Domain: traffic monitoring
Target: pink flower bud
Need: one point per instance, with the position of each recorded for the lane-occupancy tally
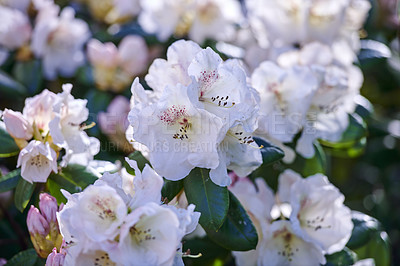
(36, 223)
(48, 207)
(17, 125)
(55, 259)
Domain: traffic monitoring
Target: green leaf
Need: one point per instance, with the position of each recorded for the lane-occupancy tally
(237, 232)
(171, 188)
(27, 258)
(140, 160)
(9, 87)
(29, 74)
(270, 152)
(23, 194)
(84, 75)
(8, 146)
(10, 180)
(74, 178)
(342, 258)
(211, 252)
(364, 229)
(211, 200)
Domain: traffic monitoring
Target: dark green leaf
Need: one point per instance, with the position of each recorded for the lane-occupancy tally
(342, 258)
(23, 194)
(26, 258)
(9, 87)
(237, 232)
(270, 153)
(8, 146)
(74, 178)
(171, 188)
(29, 74)
(211, 252)
(10, 180)
(211, 200)
(364, 229)
(311, 166)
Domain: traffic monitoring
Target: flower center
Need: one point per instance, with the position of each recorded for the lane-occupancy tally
(139, 235)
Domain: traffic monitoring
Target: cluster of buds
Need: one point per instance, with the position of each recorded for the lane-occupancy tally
(43, 227)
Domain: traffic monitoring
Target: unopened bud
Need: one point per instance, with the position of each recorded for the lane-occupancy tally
(55, 259)
(48, 207)
(17, 125)
(36, 223)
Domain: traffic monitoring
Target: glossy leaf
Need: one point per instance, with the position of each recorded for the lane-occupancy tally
(270, 152)
(212, 253)
(10, 180)
(23, 194)
(8, 146)
(237, 232)
(29, 74)
(74, 178)
(364, 229)
(9, 87)
(310, 166)
(341, 258)
(26, 258)
(210, 199)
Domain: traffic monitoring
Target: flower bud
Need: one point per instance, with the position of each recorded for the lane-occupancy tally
(36, 223)
(48, 207)
(55, 259)
(17, 125)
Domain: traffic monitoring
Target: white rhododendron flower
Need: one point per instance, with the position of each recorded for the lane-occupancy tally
(318, 213)
(17, 125)
(59, 40)
(151, 230)
(65, 128)
(37, 161)
(217, 90)
(96, 214)
(281, 246)
(303, 21)
(304, 221)
(120, 217)
(21, 5)
(38, 110)
(53, 121)
(13, 21)
(115, 67)
(199, 20)
(286, 96)
(179, 135)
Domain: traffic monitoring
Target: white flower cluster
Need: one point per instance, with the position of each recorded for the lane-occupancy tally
(57, 39)
(200, 113)
(304, 221)
(119, 220)
(302, 65)
(198, 19)
(48, 123)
